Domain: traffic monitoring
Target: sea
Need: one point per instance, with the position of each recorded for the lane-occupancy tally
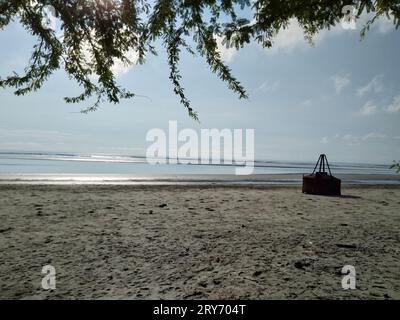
(47, 166)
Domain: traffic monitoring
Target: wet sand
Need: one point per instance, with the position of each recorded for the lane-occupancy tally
(188, 242)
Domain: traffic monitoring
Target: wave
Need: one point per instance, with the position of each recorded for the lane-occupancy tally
(25, 162)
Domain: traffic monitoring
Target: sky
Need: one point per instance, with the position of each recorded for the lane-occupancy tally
(340, 97)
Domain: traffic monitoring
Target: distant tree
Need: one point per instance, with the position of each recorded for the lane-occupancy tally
(98, 32)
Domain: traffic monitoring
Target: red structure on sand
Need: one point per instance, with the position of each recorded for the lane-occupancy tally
(322, 183)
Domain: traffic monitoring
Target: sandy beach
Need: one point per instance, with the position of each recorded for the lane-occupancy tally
(191, 242)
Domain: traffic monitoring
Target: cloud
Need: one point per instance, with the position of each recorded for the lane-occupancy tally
(325, 140)
(341, 82)
(368, 109)
(374, 135)
(292, 37)
(374, 86)
(350, 140)
(269, 86)
(385, 25)
(355, 140)
(227, 54)
(394, 106)
(119, 68)
(47, 135)
(40, 139)
(306, 103)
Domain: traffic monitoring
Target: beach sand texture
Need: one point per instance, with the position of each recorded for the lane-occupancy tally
(181, 242)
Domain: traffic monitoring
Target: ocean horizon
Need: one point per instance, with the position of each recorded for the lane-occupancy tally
(61, 167)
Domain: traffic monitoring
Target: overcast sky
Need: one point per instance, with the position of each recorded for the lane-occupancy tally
(340, 97)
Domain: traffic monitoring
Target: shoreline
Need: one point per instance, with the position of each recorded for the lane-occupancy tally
(195, 180)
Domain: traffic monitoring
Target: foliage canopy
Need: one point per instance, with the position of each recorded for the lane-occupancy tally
(97, 33)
